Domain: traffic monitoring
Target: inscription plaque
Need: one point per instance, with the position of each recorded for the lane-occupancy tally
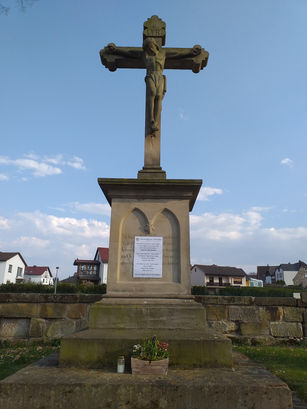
(147, 262)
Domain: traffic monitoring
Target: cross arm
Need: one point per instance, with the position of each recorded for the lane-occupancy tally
(113, 57)
(194, 59)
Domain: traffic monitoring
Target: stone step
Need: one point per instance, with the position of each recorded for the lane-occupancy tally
(44, 385)
(100, 348)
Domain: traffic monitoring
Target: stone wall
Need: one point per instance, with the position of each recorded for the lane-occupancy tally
(47, 316)
(263, 319)
(43, 316)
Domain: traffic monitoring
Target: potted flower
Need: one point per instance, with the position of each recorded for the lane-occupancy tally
(150, 357)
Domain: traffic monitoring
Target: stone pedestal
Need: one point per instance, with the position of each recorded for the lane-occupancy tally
(150, 206)
(138, 308)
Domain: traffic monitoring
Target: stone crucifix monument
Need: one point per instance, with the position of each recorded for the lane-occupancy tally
(148, 287)
(154, 59)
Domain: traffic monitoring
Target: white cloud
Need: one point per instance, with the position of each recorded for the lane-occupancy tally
(287, 162)
(91, 207)
(182, 115)
(37, 168)
(42, 166)
(66, 226)
(4, 223)
(206, 192)
(3, 177)
(45, 239)
(30, 242)
(77, 163)
(242, 240)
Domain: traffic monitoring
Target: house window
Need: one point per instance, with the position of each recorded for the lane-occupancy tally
(211, 280)
(19, 272)
(10, 268)
(237, 280)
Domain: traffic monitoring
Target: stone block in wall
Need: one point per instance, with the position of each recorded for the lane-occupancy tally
(304, 298)
(81, 324)
(293, 314)
(52, 310)
(273, 313)
(255, 328)
(224, 327)
(278, 301)
(77, 311)
(14, 328)
(216, 312)
(305, 329)
(305, 316)
(286, 329)
(60, 328)
(37, 328)
(236, 300)
(19, 310)
(244, 314)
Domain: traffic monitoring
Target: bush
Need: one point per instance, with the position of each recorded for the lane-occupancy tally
(62, 288)
(246, 291)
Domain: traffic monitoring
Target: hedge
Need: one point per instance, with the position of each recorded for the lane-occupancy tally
(247, 291)
(62, 288)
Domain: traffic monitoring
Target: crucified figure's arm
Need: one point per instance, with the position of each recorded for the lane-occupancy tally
(123, 51)
(177, 53)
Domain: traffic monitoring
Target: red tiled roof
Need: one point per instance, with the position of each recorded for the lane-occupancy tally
(36, 270)
(103, 254)
(4, 256)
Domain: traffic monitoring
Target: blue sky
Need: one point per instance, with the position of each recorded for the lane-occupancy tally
(240, 125)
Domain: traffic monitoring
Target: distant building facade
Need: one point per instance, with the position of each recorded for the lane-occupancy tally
(102, 255)
(266, 274)
(217, 276)
(39, 275)
(289, 272)
(12, 267)
(93, 271)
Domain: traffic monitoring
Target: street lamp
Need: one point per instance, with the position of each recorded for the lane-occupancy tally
(56, 278)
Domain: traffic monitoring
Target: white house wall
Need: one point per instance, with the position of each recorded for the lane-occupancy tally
(2, 270)
(104, 268)
(197, 276)
(289, 276)
(16, 262)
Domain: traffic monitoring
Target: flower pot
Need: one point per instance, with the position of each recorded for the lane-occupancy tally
(140, 367)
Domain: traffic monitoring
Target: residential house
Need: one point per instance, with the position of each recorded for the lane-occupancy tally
(289, 272)
(87, 271)
(93, 271)
(301, 276)
(12, 267)
(252, 281)
(266, 274)
(38, 275)
(71, 279)
(102, 255)
(217, 276)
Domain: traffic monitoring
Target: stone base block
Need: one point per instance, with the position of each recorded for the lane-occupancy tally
(100, 348)
(45, 386)
(147, 313)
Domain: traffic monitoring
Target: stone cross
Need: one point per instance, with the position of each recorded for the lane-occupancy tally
(154, 59)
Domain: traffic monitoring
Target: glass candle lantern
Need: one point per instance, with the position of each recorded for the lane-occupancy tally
(121, 364)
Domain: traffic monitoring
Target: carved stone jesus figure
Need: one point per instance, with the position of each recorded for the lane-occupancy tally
(154, 60)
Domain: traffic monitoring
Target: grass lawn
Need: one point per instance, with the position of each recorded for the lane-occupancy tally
(15, 356)
(289, 363)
